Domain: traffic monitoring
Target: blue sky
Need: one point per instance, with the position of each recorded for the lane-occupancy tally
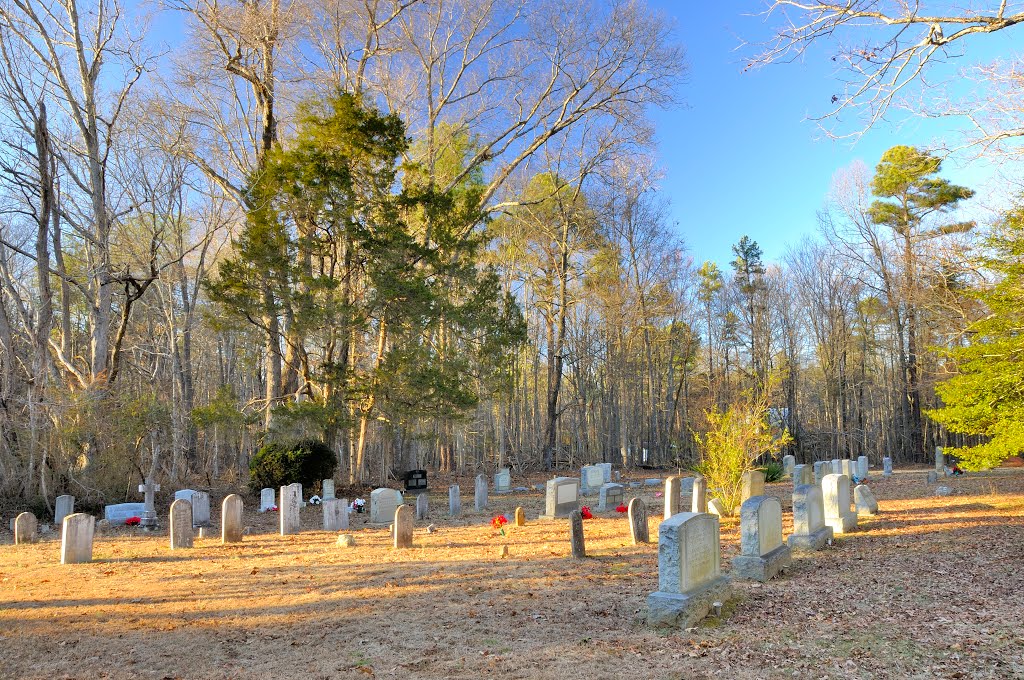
(742, 158)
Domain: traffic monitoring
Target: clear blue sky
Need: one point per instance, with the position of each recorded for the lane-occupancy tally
(742, 158)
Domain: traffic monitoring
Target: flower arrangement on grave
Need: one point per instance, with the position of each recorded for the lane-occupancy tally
(499, 523)
(272, 508)
(133, 521)
(358, 504)
(585, 512)
(621, 508)
(658, 494)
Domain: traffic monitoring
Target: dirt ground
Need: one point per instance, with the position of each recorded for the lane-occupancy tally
(931, 588)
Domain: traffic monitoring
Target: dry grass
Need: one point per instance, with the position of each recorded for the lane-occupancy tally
(929, 589)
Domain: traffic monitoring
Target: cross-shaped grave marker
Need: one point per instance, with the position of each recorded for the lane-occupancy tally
(149, 514)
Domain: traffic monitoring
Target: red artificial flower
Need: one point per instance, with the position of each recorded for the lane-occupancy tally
(499, 521)
(621, 508)
(132, 521)
(585, 511)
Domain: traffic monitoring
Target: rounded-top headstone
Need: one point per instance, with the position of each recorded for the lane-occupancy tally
(26, 528)
(181, 524)
(231, 519)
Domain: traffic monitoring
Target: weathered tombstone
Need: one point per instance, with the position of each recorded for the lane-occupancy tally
(788, 463)
(753, 484)
(231, 528)
(865, 500)
(76, 538)
(809, 530)
(64, 506)
(933, 477)
(837, 466)
(503, 481)
(578, 547)
(181, 524)
(836, 491)
(382, 505)
(148, 518)
(403, 527)
(887, 467)
(638, 528)
(940, 461)
(716, 507)
(561, 496)
(200, 509)
(802, 474)
(700, 495)
(762, 551)
(846, 465)
(591, 479)
(480, 494)
(335, 514)
(606, 468)
(689, 573)
(289, 508)
(267, 500)
(416, 481)
(26, 528)
(610, 497)
(862, 467)
(454, 502)
(422, 506)
(117, 514)
(821, 468)
(327, 490)
(672, 487)
(520, 518)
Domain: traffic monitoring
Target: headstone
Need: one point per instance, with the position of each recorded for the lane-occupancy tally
(837, 466)
(520, 518)
(231, 528)
(700, 495)
(148, 517)
(865, 500)
(716, 507)
(610, 497)
(943, 491)
(403, 527)
(887, 467)
(184, 494)
(762, 552)
(562, 496)
(862, 467)
(606, 468)
(335, 514)
(638, 528)
(200, 509)
(267, 500)
(503, 481)
(422, 506)
(836, 492)
(821, 468)
(591, 479)
(26, 528)
(64, 506)
(289, 507)
(788, 463)
(383, 503)
(802, 474)
(117, 514)
(752, 484)
(672, 487)
(933, 477)
(846, 465)
(577, 546)
(181, 524)
(76, 538)
(327, 490)
(940, 460)
(454, 502)
(809, 530)
(480, 494)
(652, 482)
(416, 481)
(689, 572)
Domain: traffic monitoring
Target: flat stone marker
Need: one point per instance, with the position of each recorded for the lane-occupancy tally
(422, 506)
(591, 479)
(335, 514)
(699, 502)
(383, 503)
(940, 461)
(403, 527)
(520, 518)
(638, 528)
(181, 524)
(327, 490)
(689, 572)
(672, 490)
(836, 491)
(802, 474)
(576, 543)
(865, 500)
(267, 500)
(862, 467)
(117, 514)
(809, 530)
(887, 467)
(561, 497)
(26, 528)
(752, 484)
(480, 493)
(231, 519)
(289, 508)
(788, 463)
(652, 482)
(762, 552)
(610, 497)
(64, 506)
(76, 538)
(454, 502)
(503, 481)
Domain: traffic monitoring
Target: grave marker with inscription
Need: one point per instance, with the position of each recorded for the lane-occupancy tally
(762, 552)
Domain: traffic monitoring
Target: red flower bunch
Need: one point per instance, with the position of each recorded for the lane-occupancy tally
(621, 508)
(499, 521)
(585, 511)
(133, 522)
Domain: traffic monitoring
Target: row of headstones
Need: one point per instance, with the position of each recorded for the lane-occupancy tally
(848, 467)
(690, 580)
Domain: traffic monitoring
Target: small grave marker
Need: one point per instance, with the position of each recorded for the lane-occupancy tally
(181, 524)
(403, 527)
(76, 538)
(231, 519)
(578, 548)
(638, 528)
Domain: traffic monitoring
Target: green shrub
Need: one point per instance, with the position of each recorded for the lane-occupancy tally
(773, 471)
(279, 463)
